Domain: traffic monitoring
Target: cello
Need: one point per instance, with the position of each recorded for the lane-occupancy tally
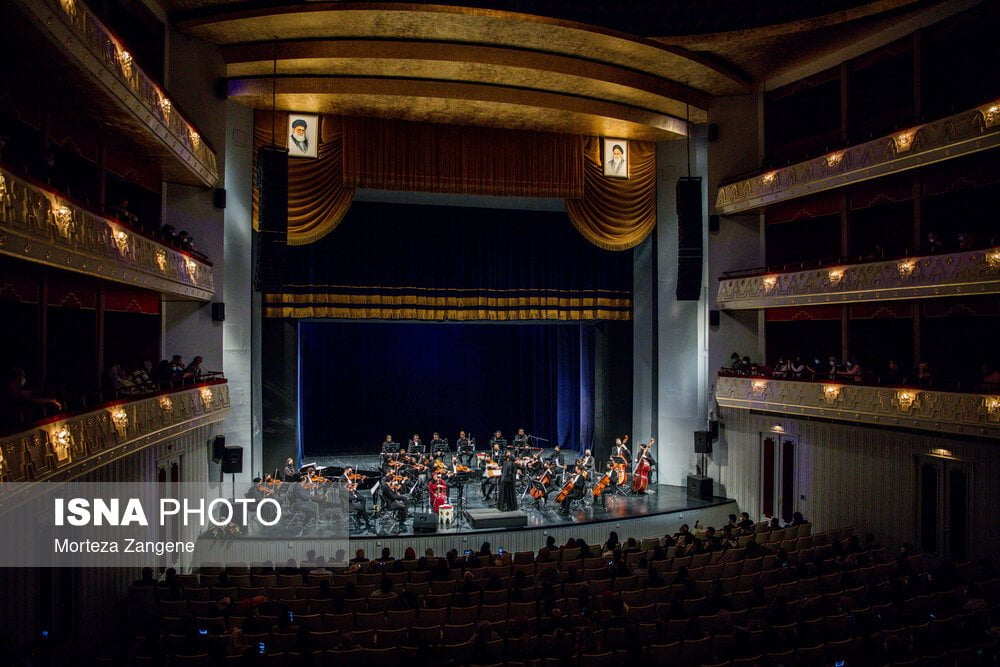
(569, 487)
(544, 479)
(601, 485)
(640, 478)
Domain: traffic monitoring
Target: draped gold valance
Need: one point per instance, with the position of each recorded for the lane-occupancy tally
(616, 213)
(317, 197)
(611, 213)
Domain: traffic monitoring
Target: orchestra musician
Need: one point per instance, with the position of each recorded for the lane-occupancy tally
(301, 500)
(506, 498)
(521, 439)
(497, 439)
(608, 485)
(357, 506)
(558, 464)
(622, 450)
(415, 441)
(392, 499)
(578, 481)
(463, 443)
(587, 463)
(289, 472)
(439, 493)
(387, 445)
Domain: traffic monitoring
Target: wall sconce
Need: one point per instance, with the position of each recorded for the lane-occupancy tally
(161, 259)
(991, 114)
(166, 404)
(120, 419)
(68, 6)
(831, 392)
(777, 428)
(195, 138)
(835, 276)
(946, 453)
(120, 238)
(992, 405)
(63, 217)
(770, 282)
(905, 399)
(206, 397)
(125, 60)
(906, 267)
(904, 141)
(993, 258)
(834, 159)
(61, 441)
(192, 268)
(165, 105)
(769, 177)
(758, 386)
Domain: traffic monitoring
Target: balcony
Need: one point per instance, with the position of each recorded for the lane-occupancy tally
(67, 446)
(113, 89)
(900, 407)
(965, 273)
(960, 134)
(39, 225)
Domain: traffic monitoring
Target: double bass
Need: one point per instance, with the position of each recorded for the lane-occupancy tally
(640, 478)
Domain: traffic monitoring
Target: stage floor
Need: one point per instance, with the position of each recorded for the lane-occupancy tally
(659, 500)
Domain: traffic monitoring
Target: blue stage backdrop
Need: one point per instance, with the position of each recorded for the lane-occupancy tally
(359, 381)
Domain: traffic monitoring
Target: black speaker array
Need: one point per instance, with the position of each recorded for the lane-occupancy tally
(690, 247)
(232, 460)
(272, 237)
(218, 448)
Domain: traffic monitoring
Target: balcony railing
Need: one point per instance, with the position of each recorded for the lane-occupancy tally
(972, 272)
(43, 226)
(66, 446)
(899, 407)
(963, 133)
(96, 50)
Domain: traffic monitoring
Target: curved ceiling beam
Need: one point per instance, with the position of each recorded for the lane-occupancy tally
(457, 103)
(435, 61)
(455, 25)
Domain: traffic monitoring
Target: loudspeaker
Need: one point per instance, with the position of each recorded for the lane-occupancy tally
(713, 132)
(713, 317)
(699, 487)
(232, 460)
(493, 518)
(272, 217)
(713, 429)
(218, 448)
(713, 223)
(219, 311)
(702, 442)
(690, 245)
(425, 522)
(219, 198)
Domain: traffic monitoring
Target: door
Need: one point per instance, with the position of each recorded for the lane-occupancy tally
(944, 492)
(778, 475)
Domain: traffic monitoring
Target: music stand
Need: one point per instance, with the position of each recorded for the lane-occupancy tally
(390, 448)
(460, 481)
(418, 449)
(440, 448)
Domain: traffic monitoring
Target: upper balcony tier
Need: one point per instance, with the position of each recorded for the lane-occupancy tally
(899, 407)
(69, 445)
(969, 131)
(972, 272)
(111, 88)
(39, 225)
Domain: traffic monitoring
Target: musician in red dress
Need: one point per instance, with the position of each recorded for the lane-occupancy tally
(439, 493)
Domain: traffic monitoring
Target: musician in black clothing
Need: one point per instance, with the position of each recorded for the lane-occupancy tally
(558, 464)
(587, 462)
(387, 445)
(415, 441)
(521, 439)
(357, 506)
(289, 472)
(622, 450)
(465, 457)
(393, 500)
(301, 499)
(579, 482)
(612, 486)
(506, 498)
(498, 439)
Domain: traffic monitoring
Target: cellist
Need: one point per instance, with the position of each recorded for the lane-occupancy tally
(573, 490)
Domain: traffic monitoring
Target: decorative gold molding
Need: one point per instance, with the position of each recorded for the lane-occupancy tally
(71, 26)
(974, 272)
(938, 411)
(40, 226)
(65, 449)
(966, 132)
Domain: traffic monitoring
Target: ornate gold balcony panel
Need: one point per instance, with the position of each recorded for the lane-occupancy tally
(40, 226)
(974, 272)
(64, 449)
(461, 65)
(128, 97)
(938, 411)
(963, 133)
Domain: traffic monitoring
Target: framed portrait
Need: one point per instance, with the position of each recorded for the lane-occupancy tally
(303, 135)
(615, 158)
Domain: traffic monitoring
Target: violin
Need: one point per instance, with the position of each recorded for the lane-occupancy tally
(356, 477)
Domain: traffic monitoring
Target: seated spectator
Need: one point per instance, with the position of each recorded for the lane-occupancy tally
(892, 374)
(119, 380)
(833, 367)
(796, 367)
(746, 524)
(734, 362)
(177, 367)
(782, 369)
(143, 377)
(163, 373)
(817, 367)
(851, 371)
(194, 368)
(359, 556)
(924, 374)
(935, 244)
(16, 398)
(384, 590)
(966, 241)
(797, 519)
(147, 578)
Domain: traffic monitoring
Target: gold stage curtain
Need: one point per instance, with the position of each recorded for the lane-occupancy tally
(429, 157)
(616, 213)
(317, 197)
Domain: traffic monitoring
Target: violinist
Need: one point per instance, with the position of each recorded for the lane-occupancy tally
(573, 490)
(266, 486)
(392, 499)
(289, 472)
(301, 500)
(357, 506)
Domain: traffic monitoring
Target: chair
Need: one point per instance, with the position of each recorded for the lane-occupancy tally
(661, 654)
(391, 637)
(377, 657)
(455, 634)
(401, 619)
(597, 659)
(433, 616)
(697, 650)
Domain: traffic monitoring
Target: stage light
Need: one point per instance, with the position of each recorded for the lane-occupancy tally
(125, 60)
(938, 451)
(195, 138)
(992, 404)
(165, 104)
(68, 6)
(192, 268)
(777, 428)
(991, 114)
(120, 239)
